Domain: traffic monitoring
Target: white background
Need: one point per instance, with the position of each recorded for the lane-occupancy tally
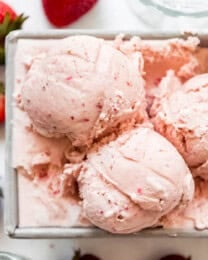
(108, 14)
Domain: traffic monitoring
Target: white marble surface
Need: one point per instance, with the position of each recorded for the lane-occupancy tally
(108, 14)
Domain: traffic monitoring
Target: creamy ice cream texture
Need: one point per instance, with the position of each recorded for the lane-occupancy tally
(49, 190)
(128, 184)
(181, 115)
(46, 198)
(82, 90)
(195, 215)
(184, 57)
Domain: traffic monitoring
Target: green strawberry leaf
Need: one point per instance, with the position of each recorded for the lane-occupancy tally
(2, 55)
(6, 27)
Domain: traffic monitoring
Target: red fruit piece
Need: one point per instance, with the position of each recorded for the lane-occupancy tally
(4, 9)
(63, 12)
(157, 81)
(139, 190)
(175, 257)
(2, 109)
(2, 103)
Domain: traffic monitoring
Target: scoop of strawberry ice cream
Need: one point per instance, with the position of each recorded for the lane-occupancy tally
(82, 90)
(130, 183)
(181, 116)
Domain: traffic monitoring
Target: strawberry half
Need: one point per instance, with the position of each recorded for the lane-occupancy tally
(63, 12)
(2, 103)
(9, 21)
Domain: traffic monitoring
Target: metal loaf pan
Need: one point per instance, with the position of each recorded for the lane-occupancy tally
(11, 189)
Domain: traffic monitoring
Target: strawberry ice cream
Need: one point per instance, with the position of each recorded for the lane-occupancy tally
(195, 215)
(128, 184)
(45, 197)
(181, 116)
(38, 206)
(83, 90)
(184, 57)
(84, 147)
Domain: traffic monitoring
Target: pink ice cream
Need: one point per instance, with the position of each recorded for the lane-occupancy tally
(130, 183)
(184, 57)
(195, 215)
(46, 197)
(38, 154)
(181, 116)
(38, 207)
(82, 90)
(132, 178)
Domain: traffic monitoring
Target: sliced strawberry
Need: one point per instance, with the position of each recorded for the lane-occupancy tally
(63, 12)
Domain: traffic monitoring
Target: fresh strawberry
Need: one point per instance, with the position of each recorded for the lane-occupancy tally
(175, 257)
(78, 256)
(63, 12)
(9, 21)
(4, 9)
(2, 103)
